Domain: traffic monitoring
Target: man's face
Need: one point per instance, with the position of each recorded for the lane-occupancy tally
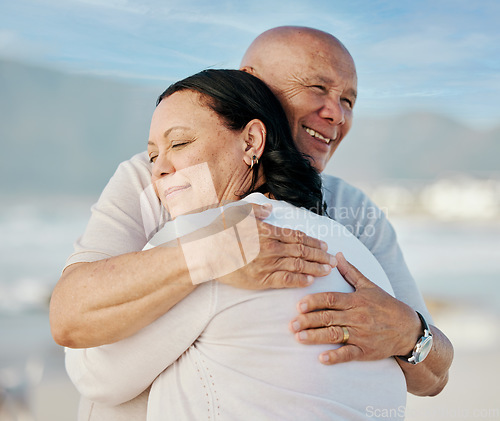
(316, 83)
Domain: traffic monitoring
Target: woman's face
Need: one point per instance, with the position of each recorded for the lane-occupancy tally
(197, 161)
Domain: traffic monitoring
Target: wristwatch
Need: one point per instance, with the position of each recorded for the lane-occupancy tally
(423, 346)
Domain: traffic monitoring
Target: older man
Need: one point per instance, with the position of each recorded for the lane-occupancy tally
(315, 79)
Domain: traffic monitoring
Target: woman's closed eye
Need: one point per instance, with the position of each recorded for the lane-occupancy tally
(179, 144)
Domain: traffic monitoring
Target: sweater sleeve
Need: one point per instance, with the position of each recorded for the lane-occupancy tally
(116, 373)
(124, 216)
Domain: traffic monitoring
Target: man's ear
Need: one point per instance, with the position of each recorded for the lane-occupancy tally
(254, 135)
(249, 69)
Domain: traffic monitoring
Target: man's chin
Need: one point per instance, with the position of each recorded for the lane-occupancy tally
(319, 163)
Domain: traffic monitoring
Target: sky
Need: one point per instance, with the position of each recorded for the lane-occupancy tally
(433, 55)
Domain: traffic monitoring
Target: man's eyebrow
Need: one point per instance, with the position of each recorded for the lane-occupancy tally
(320, 79)
(327, 81)
(352, 92)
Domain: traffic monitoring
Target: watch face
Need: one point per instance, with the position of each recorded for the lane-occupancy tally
(425, 348)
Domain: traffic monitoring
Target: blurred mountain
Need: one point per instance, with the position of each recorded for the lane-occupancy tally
(419, 146)
(66, 133)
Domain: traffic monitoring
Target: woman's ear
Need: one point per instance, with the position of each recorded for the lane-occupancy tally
(254, 135)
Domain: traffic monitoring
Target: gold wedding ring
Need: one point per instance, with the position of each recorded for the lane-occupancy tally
(346, 334)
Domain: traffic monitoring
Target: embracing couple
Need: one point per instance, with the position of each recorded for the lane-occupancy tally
(193, 295)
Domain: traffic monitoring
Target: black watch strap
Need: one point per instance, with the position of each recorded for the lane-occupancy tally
(412, 357)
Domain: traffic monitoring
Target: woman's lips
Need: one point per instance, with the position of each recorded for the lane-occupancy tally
(174, 191)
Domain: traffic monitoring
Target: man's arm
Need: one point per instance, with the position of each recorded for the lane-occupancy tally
(379, 326)
(108, 300)
(430, 376)
(387, 323)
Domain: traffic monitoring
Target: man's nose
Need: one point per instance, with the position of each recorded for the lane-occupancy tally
(162, 166)
(333, 110)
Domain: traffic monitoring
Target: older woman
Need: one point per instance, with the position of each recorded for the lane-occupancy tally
(219, 141)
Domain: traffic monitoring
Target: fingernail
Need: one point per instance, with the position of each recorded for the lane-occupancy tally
(303, 307)
(327, 267)
(324, 246)
(333, 261)
(296, 326)
(310, 279)
(325, 358)
(303, 335)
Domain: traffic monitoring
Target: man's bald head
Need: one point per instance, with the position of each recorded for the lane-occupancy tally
(269, 45)
(314, 76)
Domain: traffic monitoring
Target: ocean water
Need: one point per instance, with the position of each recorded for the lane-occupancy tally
(36, 237)
(453, 260)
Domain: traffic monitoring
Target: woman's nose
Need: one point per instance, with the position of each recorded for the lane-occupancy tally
(162, 166)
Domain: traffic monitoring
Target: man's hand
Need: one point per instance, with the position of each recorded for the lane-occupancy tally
(379, 325)
(286, 258)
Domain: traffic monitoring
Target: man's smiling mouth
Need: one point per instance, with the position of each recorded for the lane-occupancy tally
(317, 135)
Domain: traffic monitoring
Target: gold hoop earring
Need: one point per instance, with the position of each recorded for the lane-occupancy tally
(255, 161)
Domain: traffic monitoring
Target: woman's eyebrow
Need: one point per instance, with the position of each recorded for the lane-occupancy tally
(167, 132)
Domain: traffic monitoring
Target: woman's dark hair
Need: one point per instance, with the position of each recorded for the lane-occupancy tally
(238, 97)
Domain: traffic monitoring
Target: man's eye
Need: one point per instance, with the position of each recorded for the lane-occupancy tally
(179, 144)
(348, 102)
(152, 158)
(319, 87)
